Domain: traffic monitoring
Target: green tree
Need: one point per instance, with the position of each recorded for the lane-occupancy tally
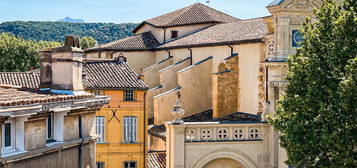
(87, 42)
(17, 54)
(317, 115)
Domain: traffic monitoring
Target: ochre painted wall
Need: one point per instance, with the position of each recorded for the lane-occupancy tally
(114, 151)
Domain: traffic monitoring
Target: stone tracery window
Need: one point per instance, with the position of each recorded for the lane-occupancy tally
(222, 134)
(206, 134)
(253, 133)
(238, 133)
(190, 134)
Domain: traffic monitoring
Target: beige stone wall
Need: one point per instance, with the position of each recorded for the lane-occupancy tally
(177, 54)
(162, 106)
(225, 88)
(151, 74)
(249, 60)
(71, 128)
(138, 60)
(196, 92)
(168, 75)
(196, 86)
(150, 100)
(88, 124)
(160, 32)
(35, 134)
(250, 153)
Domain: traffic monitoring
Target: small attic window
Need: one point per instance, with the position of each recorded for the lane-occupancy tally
(174, 34)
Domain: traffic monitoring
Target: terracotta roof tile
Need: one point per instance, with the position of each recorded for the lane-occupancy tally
(156, 159)
(23, 79)
(100, 74)
(143, 41)
(193, 14)
(227, 33)
(16, 97)
(111, 75)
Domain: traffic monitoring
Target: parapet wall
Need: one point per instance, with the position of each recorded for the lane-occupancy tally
(151, 74)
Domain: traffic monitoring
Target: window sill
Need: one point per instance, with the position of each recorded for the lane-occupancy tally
(131, 143)
(13, 152)
(53, 143)
(103, 143)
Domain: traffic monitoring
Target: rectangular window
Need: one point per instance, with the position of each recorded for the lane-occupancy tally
(129, 95)
(7, 134)
(100, 128)
(130, 128)
(174, 34)
(98, 92)
(100, 164)
(130, 164)
(49, 127)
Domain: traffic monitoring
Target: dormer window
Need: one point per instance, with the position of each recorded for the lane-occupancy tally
(174, 34)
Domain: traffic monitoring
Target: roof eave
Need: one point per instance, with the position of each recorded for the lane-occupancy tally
(257, 40)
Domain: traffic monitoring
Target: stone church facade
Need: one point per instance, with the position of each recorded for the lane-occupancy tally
(229, 74)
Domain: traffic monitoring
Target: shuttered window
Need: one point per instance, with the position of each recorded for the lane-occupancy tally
(130, 129)
(100, 128)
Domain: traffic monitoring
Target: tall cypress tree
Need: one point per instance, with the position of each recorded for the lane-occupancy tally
(317, 115)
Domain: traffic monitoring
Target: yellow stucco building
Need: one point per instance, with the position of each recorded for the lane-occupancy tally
(121, 124)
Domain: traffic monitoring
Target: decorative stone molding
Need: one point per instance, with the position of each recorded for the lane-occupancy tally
(301, 4)
(261, 89)
(284, 21)
(278, 84)
(220, 133)
(237, 156)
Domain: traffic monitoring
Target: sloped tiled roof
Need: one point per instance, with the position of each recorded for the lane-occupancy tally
(228, 33)
(193, 14)
(16, 97)
(207, 116)
(111, 75)
(156, 160)
(275, 3)
(23, 79)
(143, 41)
(100, 74)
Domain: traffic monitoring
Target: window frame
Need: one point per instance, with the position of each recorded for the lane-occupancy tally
(174, 33)
(130, 92)
(51, 139)
(102, 164)
(10, 148)
(133, 161)
(129, 128)
(100, 140)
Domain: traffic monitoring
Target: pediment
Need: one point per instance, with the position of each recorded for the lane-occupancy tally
(300, 4)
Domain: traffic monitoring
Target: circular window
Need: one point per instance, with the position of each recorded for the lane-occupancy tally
(253, 133)
(222, 133)
(238, 133)
(190, 134)
(206, 134)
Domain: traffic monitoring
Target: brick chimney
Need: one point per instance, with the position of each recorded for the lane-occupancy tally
(61, 67)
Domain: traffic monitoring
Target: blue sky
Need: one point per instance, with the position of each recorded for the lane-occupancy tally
(117, 11)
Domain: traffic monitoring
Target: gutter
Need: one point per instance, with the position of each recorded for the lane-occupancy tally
(190, 49)
(230, 46)
(145, 129)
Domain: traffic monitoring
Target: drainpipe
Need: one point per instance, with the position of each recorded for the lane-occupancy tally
(169, 53)
(230, 46)
(81, 138)
(165, 35)
(190, 49)
(266, 85)
(145, 129)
